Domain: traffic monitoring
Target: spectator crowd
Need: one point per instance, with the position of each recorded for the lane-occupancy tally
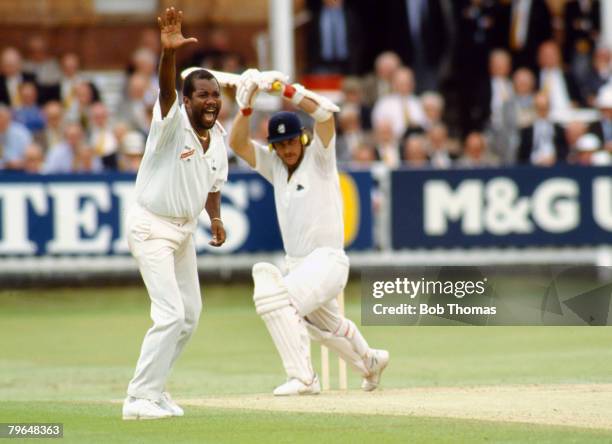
(466, 84)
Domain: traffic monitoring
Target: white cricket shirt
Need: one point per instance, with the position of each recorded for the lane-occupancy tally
(175, 175)
(309, 205)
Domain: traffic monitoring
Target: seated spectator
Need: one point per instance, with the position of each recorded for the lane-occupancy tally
(476, 153)
(489, 102)
(600, 72)
(387, 149)
(523, 82)
(132, 109)
(378, 84)
(14, 138)
(101, 137)
(54, 125)
(364, 155)
(40, 63)
(353, 95)
(433, 108)
(543, 143)
(86, 95)
(415, 152)
(350, 133)
(132, 150)
(144, 62)
(573, 132)
(553, 79)
(120, 130)
(33, 159)
(603, 127)
(11, 76)
(65, 91)
(439, 146)
(402, 108)
(29, 113)
(588, 152)
(71, 154)
(86, 161)
(501, 126)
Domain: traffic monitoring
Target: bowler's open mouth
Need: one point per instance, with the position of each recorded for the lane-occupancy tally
(210, 114)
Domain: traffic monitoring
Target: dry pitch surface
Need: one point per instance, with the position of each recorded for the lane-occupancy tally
(578, 405)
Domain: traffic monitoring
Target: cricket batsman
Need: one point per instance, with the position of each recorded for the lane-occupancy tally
(308, 202)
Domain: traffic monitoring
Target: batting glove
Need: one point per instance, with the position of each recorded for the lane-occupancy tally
(247, 91)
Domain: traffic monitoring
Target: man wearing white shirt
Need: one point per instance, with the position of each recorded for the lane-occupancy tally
(182, 172)
(101, 137)
(64, 157)
(309, 210)
(560, 86)
(402, 108)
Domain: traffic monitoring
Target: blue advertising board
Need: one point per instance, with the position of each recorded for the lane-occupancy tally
(512, 207)
(85, 214)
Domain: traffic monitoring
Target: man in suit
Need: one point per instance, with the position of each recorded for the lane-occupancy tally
(11, 76)
(420, 32)
(522, 26)
(487, 100)
(582, 28)
(475, 24)
(543, 143)
(378, 83)
(552, 78)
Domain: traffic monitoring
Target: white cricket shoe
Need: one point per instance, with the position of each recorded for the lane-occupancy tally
(138, 408)
(296, 387)
(167, 403)
(375, 361)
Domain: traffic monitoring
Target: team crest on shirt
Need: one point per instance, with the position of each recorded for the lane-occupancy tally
(281, 128)
(187, 152)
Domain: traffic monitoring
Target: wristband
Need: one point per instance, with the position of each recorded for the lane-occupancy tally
(293, 94)
(246, 111)
(212, 219)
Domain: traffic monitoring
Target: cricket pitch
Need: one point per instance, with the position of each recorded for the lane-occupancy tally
(577, 405)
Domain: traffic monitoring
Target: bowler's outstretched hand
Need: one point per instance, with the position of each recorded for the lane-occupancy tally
(170, 27)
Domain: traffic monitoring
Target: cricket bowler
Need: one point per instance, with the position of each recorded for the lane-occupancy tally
(182, 172)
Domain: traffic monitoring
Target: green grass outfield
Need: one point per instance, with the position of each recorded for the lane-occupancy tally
(65, 353)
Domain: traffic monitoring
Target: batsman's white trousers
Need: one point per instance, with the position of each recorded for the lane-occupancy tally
(314, 282)
(166, 256)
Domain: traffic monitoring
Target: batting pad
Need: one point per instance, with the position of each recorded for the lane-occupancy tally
(286, 328)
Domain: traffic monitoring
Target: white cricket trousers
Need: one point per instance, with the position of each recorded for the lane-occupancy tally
(315, 281)
(166, 256)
